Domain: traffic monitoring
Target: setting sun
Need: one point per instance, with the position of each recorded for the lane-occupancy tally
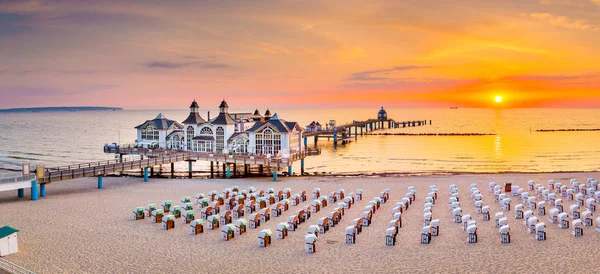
(498, 99)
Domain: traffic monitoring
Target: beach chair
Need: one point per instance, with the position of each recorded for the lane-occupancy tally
(497, 217)
(587, 219)
(457, 212)
(359, 194)
(241, 226)
(390, 236)
(138, 213)
(485, 213)
(316, 193)
(426, 235)
(166, 205)
(435, 227)
(472, 234)
(541, 208)
(313, 229)
(464, 219)
(351, 234)
(577, 228)
(427, 217)
(590, 204)
(149, 209)
(531, 222)
(540, 231)
(157, 215)
(310, 241)
(505, 234)
(574, 210)
(563, 222)
(506, 204)
(519, 211)
(282, 230)
(491, 187)
(264, 237)
(197, 226)
(227, 232)
(168, 222)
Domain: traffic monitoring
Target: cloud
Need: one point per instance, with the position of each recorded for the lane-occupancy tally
(561, 21)
(177, 65)
(273, 49)
(553, 78)
(371, 75)
(307, 27)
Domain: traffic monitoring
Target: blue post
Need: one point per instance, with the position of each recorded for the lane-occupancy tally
(290, 170)
(34, 191)
(120, 158)
(305, 142)
(275, 175)
(302, 166)
(100, 182)
(43, 190)
(145, 174)
(335, 137)
(228, 172)
(21, 192)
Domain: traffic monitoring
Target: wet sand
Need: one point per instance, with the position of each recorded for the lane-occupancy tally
(78, 228)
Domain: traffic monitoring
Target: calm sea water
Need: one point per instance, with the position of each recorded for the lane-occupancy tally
(55, 139)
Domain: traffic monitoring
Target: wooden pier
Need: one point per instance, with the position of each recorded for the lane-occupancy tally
(360, 128)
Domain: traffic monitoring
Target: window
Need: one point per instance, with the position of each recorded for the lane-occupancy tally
(190, 136)
(206, 131)
(175, 143)
(220, 139)
(268, 142)
(150, 133)
(240, 145)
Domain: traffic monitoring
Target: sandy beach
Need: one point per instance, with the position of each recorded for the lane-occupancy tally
(78, 228)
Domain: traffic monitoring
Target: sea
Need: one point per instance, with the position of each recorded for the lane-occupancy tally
(452, 141)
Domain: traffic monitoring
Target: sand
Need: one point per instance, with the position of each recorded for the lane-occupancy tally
(80, 229)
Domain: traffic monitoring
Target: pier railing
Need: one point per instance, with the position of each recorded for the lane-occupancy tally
(155, 157)
(16, 178)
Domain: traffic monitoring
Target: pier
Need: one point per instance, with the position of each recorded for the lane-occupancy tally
(352, 130)
(221, 165)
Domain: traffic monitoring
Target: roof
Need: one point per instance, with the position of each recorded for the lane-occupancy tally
(194, 104)
(257, 113)
(160, 122)
(382, 111)
(204, 138)
(240, 115)
(175, 132)
(223, 104)
(223, 119)
(239, 134)
(194, 118)
(6, 231)
(268, 113)
(278, 124)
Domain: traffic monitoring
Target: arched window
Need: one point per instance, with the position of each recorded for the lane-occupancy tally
(190, 136)
(176, 143)
(150, 133)
(268, 142)
(206, 131)
(220, 139)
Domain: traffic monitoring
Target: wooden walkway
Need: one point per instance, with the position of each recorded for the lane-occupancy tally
(156, 157)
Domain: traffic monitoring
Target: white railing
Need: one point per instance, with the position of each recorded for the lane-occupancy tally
(13, 268)
(17, 178)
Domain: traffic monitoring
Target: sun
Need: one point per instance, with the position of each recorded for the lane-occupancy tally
(498, 99)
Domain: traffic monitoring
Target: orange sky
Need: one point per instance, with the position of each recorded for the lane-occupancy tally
(288, 54)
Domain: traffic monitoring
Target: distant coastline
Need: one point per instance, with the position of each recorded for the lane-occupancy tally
(60, 109)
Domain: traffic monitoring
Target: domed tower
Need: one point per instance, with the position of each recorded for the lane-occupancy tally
(382, 115)
(194, 117)
(267, 115)
(223, 108)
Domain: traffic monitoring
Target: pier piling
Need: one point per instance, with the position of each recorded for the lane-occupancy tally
(43, 190)
(172, 170)
(190, 169)
(212, 169)
(146, 174)
(99, 183)
(34, 191)
(227, 172)
(290, 170)
(302, 167)
(21, 192)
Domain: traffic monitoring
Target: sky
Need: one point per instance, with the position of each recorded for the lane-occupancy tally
(293, 54)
